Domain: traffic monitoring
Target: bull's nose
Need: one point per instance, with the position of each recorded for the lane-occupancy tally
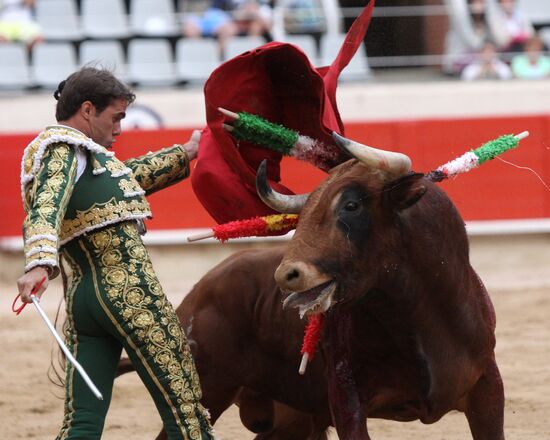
(297, 276)
(289, 275)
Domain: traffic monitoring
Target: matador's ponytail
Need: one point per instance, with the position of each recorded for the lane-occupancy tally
(59, 90)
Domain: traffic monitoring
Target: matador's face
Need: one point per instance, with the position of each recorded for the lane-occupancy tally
(105, 126)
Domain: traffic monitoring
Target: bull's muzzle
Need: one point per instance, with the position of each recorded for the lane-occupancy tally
(310, 291)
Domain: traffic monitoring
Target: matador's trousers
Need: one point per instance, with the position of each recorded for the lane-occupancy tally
(114, 301)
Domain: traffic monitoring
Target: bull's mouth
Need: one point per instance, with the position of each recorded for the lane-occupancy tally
(313, 301)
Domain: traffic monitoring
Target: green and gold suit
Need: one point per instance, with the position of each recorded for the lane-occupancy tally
(85, 209)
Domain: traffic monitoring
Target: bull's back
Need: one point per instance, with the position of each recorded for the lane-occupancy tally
(239, 297)
(234, 283)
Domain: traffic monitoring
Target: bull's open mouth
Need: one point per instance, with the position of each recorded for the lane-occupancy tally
(312, 301)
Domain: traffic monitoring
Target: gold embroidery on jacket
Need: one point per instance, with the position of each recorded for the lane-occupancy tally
(160, 169)
(102, 214)
(130, 187)
(39, 228)
(52, 135)
(46, 201)
(116, 167)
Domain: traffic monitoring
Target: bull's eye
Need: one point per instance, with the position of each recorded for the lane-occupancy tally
(352, 214)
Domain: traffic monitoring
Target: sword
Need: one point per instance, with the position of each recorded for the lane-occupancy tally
(65, 350)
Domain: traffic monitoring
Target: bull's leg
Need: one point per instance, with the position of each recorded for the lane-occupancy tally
(212, 341)
(217, 398)
(124, 366)
(485, 406)
(349, 416)
(256, 410)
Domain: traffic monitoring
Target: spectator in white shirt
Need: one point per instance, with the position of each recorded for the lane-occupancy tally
(515, 26)
(487, 66)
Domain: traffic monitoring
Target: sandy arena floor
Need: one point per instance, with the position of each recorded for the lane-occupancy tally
(515, 269)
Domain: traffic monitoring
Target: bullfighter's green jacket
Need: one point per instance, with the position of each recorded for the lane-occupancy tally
(72, 198)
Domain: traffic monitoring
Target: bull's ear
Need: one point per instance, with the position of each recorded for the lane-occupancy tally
(405, 191)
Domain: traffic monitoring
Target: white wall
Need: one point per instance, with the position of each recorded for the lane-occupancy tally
(357, 102)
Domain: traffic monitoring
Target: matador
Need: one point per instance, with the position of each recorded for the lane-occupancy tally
(84, 214)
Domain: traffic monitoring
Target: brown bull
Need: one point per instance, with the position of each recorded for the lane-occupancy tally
(409, 328)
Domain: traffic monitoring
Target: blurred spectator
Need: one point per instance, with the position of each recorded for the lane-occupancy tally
(515, 27)
(213, 22)
(304, 17)
(533, 64)
(224, 19)
(17, 22)
(471, 22)
(253, 17)
(487, 65)
(467, 32)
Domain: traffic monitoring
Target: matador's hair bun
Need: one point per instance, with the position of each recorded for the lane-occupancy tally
(59, 90)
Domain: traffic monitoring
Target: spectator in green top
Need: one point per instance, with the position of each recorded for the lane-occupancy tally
(532, 64)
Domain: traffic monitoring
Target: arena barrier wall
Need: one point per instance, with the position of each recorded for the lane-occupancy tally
(497, 191)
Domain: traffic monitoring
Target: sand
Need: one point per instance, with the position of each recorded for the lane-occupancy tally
(516, 271)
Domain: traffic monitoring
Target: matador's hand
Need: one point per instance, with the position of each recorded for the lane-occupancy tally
(192, 145)
(28, 281)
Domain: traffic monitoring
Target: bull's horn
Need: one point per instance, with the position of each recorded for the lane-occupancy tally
(381, 159)
(279, 202)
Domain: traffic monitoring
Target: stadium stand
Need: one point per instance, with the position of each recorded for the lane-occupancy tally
(357, 68)
(113, 33)
(82, 22)
(59, 20)
(238, 45)
(106, 53)
(15, 72)
(153, 18)
(306, 43)
(104, 19)
(196, 59)
(150, 62)
(52, 63)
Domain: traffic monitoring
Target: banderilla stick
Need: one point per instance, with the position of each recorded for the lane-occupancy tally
(65, 350)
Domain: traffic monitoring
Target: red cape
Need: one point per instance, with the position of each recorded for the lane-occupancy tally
(275, 81)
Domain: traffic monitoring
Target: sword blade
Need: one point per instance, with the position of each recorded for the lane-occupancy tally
(65, 350)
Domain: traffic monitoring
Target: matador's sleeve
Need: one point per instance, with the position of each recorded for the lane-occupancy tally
(45, 203)
(158, 170)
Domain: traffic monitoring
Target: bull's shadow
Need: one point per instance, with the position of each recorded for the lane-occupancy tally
(409, 331)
